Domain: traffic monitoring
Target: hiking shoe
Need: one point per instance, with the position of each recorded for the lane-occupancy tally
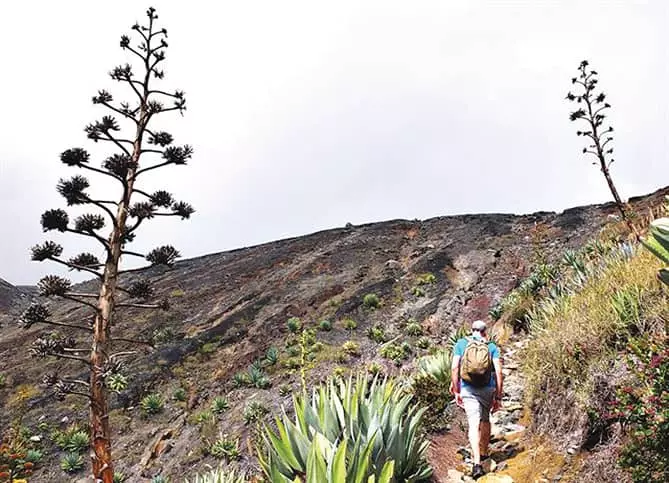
(477, 472)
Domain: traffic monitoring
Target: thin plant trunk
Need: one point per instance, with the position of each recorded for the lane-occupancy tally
(99, 411)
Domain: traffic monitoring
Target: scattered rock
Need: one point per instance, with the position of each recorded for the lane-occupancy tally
(489, 465)
(453, 476)
(495, 478)
(35, 439)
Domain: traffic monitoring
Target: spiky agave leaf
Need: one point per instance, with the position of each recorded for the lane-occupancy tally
(45, 251)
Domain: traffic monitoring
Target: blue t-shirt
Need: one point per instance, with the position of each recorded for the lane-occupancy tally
(459, 350)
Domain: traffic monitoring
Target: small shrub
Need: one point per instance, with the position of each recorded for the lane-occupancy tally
(152, 404)
(34, 456)
(325, 325)
(341, 357)
(339, 372)
(180, 394)
(294, 351)
(317, 347)
(257, 378)
(377, 334)
(406, 348)
(309, 356)
(292, 363)
(225, 447)
(423, 343)
(393, 352)
(3, 380)
(257, 365)
(414, 329)
(308, 337)
(349, 324)
(644, 410)
(119, 477)
(220, 475)
(207, 348)
(254, 411)
(219, 405)
(77, 442)
(294, 324)
(292, 341)
(71, 463)
(374, 368)
(272, 356)
(284, 390)
(426, 279)
(160, 336)
(160, 479)
(627, 304)
(431, 389)
(351, 348)
(204, 417)
(371, 301)
(117, 382)
(418, 292)
(496, 312)
(240, 379)
(435, 397)
(62, 439)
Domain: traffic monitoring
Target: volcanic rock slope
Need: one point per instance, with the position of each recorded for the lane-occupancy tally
(228, 308)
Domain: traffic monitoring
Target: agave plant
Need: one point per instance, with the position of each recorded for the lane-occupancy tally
(348, 431)
(219, 475)
(437, 366)
(658, 244)
(455, 337)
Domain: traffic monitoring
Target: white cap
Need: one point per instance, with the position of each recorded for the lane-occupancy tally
(479, 325)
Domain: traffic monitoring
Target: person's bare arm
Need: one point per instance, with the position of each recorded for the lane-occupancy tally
(497, 364)
(455, 375)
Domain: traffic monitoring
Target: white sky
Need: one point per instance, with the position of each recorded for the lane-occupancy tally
(308, 115)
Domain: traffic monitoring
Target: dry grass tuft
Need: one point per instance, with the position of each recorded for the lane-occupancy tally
(579, 341)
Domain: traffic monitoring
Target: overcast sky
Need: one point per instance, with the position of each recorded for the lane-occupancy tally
(309, 115)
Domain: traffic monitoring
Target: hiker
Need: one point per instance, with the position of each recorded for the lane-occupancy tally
(476, 382)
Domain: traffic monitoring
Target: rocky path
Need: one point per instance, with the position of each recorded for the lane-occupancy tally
(450, 454)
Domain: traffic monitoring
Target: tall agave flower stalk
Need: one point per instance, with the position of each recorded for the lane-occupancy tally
(353, 431)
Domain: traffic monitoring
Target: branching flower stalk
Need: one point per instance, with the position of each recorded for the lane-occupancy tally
(135, 147)
(592, 112)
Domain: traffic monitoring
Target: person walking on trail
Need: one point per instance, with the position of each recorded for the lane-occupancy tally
(476, 382)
